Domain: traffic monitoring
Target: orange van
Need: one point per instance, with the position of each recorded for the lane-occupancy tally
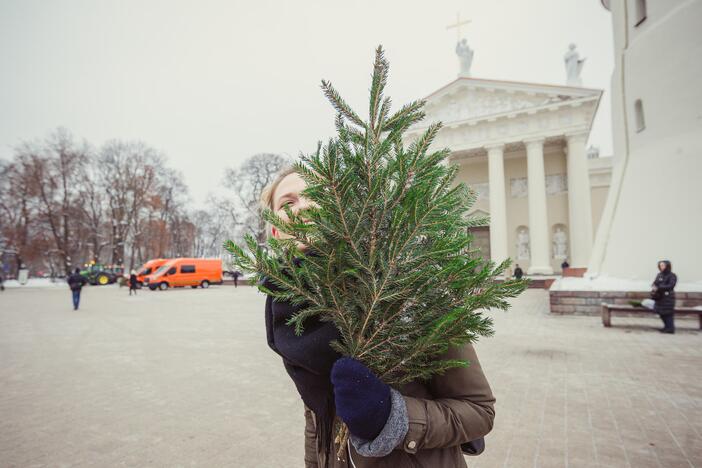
(149, 267)
(180, 272)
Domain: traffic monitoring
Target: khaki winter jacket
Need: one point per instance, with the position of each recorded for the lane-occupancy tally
(447, 411)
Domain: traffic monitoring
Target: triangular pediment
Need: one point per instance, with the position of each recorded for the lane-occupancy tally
(478, 213)
(476, 99)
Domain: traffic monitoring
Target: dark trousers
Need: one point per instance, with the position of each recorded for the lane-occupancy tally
(236, 281)
(668, 321)
(76, 298)
(132, 288)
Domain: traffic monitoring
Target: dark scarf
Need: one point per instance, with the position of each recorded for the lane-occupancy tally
(308, 359)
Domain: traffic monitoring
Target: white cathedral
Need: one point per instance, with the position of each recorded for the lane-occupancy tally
(522, 148)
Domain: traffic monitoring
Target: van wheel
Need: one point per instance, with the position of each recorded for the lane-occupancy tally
(205, 284)
(163, 286)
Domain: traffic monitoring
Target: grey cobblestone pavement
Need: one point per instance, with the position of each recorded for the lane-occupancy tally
(184, 378)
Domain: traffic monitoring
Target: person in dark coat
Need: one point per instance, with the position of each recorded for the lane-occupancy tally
(662, 291)
(76, 281)
(236, 276)
(518, 273)
(133, 283)
(422, 423)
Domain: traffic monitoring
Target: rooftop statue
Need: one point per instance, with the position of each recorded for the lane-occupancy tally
(465, 57)
(574, 65)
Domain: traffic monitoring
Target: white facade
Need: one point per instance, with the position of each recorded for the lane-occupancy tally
(654, 207)
(522, 147)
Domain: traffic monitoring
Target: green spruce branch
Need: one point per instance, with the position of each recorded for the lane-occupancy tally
(392, 263)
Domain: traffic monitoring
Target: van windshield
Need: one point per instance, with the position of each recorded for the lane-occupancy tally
(144, 272)
(162, 270)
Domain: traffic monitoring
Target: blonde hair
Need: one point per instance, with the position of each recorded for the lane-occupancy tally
(269, 191)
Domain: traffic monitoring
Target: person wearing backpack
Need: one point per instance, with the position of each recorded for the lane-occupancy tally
(133, 283)
(76, 281)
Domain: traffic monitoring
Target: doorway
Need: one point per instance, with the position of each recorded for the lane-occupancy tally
(481, 240)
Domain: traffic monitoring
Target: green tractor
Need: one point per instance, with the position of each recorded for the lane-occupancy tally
(100, 275)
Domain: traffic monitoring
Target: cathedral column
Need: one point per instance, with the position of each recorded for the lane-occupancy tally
(498, 204)
(579, 203)
(538, 221)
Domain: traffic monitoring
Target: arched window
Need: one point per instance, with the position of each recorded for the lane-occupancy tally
(640, 12)
(640, 120)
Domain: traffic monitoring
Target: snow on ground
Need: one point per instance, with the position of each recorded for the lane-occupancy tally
(605, 283)
(37, 283)
(602, 283)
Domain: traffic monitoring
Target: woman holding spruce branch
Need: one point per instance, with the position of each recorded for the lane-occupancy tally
(375, 294)
(427, 424)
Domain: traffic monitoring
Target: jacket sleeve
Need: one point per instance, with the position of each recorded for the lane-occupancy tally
(310, 440)
(462, 409)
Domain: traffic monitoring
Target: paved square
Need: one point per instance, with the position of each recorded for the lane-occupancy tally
(184, 378)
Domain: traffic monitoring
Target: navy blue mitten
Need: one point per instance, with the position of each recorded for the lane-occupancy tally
(362, 400)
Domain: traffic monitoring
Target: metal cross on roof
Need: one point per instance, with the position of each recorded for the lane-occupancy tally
(457, 25)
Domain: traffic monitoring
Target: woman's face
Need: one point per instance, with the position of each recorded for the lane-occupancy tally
(661, 266)
(287, 193)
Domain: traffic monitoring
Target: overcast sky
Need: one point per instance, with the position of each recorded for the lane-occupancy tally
(212, 82)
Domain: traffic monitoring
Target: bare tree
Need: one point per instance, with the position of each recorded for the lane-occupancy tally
(165, 224)
(17, 212)
(93, 209)
(128, 177)
(213, 226)
(62, 202)
(247, 182)
(54, 168)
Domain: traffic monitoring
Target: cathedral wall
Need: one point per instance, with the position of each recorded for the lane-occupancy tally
(517, 206)
(655, 205)
(556, 199)
(475, 175)
(598, 197)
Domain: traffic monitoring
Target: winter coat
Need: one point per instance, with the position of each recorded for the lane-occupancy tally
(132, 281)
(445, 412)
(665, 285)
(76, 281)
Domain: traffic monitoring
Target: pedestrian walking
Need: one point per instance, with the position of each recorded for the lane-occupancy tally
(133, 283)
(518, 273)
(76, 281)
(663, 293)
(236, 276)
(423, 423)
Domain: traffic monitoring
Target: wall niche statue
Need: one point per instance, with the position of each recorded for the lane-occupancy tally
(560, 242)
(523, 248)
